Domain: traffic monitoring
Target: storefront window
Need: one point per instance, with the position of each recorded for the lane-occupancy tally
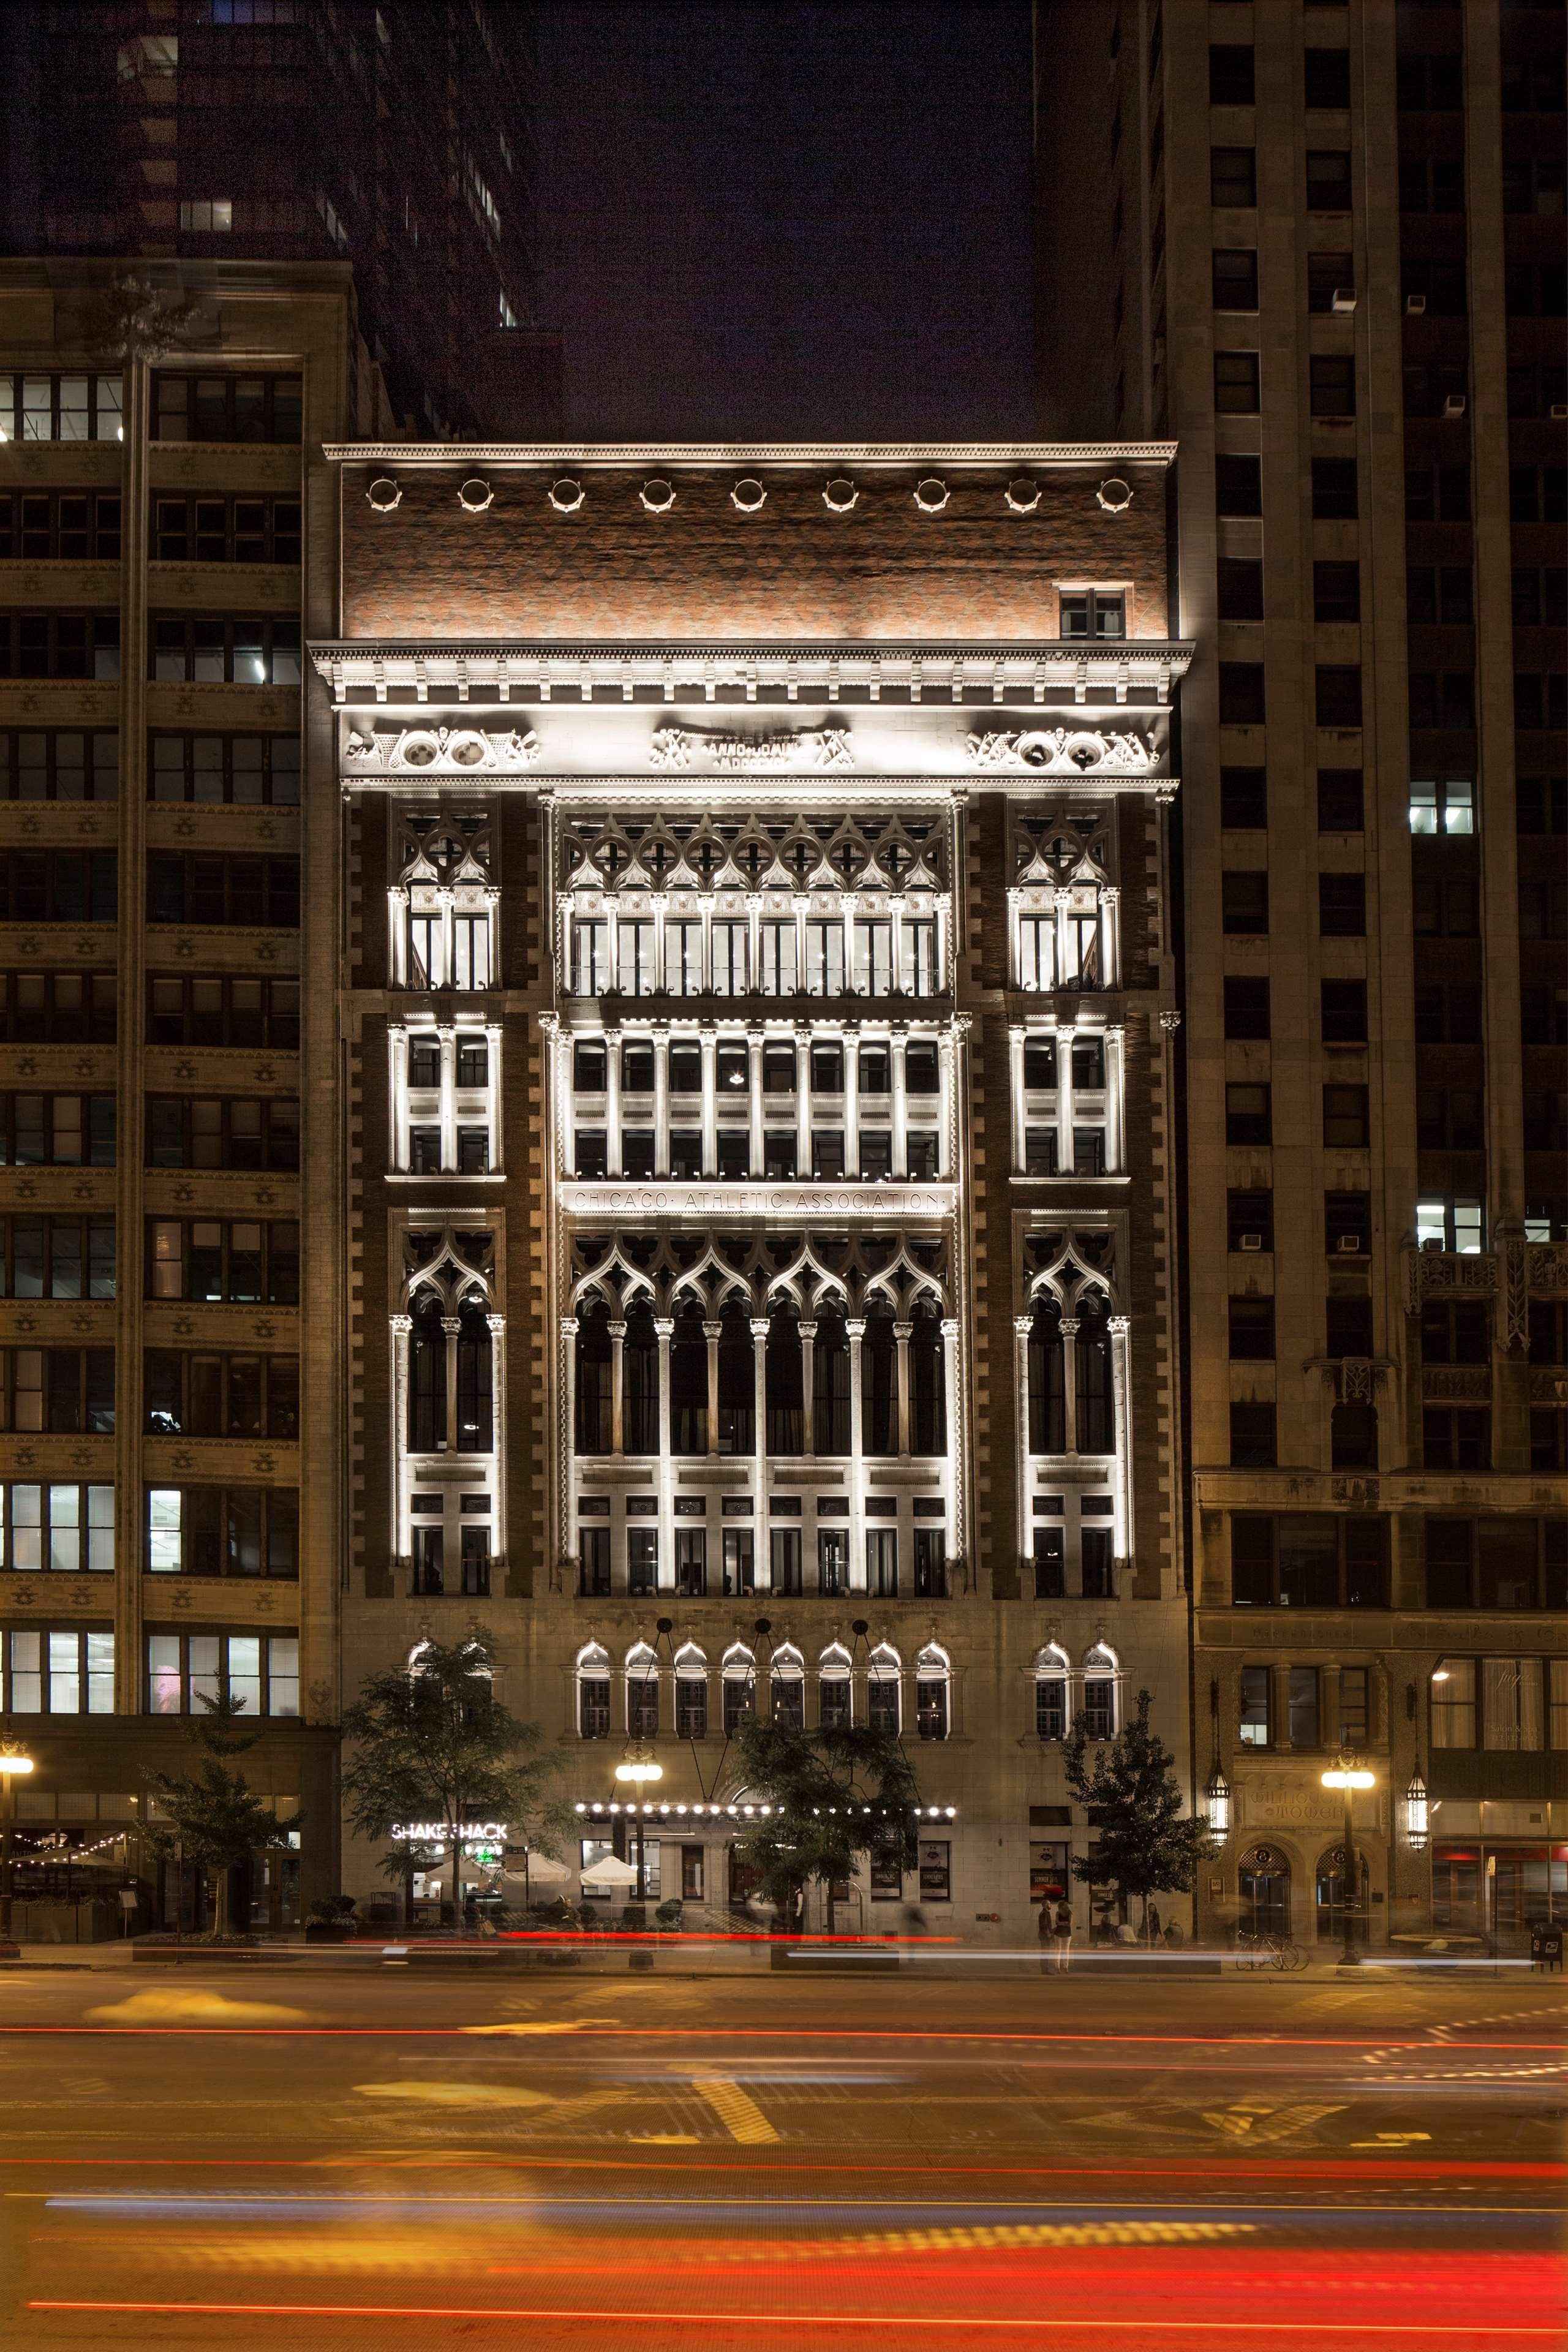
(936, 1870)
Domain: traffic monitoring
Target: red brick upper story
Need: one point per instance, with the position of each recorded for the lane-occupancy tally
(792, 567)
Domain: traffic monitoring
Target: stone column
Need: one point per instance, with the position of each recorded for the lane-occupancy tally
(955, 1433)
(1064, 1101)
(1016, 1036)
(803, 1103)
(902, 1334)
(807, 1329)
(664, 1329)
(711, 1332)
(569, 1330)
(850, 1046)
(397, 1095)
(497, 1324)
(855, 1329)
(1022, 1326)
(1069, 1381)
(451, 1326)
(707, 1044)
(661, 1098)
(402, 1326)
(447, 1042)
(493, 1091)
(897, 1051)
(617, 1372)
(613, 1101)
(760, 1329)
(754, 1094)
(1115, 1098)
(1120, 1327)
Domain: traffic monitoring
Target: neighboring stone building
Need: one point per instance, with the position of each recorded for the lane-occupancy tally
(758, 1023)
(1329, 261)
(170, 1187)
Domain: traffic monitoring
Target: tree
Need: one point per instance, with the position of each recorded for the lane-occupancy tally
(835, 1795)
(1144, 1847)
(431, 1742)
(213, 1816)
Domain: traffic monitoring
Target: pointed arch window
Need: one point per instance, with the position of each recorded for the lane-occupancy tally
(830, 1385)
(1047, 1381)
(784, 1392)
(594, 1693)
(1100, 1674)
(595, 1430)
(640, 1382)
(642, 1693)
(1092, 1380)
(451, 1404)
(884, 1690)
(879, 1382)
(928, 1385)
(786, 1678)
(737, 1679)
(427, 1378)
(688, 1382)
(737, 1380)
(691, 1694)
(934, 1684)
(834, 1689)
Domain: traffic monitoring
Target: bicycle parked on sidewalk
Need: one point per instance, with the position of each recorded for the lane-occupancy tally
(1257, 1950)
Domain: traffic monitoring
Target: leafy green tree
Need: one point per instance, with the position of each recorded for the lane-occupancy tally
(212, 1816)
(835, 1795)
(1145, 1846)
(431, 1742)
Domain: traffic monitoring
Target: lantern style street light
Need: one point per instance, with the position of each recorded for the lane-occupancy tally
(15, 1764)
(1349, 1776)
(1218, 1795)
(1416, 1814)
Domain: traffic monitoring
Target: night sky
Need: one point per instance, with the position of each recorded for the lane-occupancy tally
(788, 218)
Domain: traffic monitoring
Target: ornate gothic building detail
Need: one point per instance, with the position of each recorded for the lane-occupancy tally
(443, 750)
(1063, 751)
(813, 746)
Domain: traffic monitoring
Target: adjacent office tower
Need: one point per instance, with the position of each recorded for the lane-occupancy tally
(397, 137)
(1326, 256)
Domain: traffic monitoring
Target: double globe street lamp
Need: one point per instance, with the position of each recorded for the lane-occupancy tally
(1349, 1776)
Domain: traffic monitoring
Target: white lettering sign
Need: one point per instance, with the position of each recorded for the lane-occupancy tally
(424, 1832)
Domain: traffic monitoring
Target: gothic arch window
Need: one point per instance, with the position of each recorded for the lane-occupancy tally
(878, 1381)
(928, 1385)
(738, 1681)
(593, 1676)
(830, 1383)
(1047, 1379)
(640, 1382)
(933, 1686)
(642, 1692)
(885, 1689)
(737, 1380)
(786, 1677)
(691, 1693)
(689, 1381)
(1101, 1673)
(594, 1409)
(451, 1403)
(783, 1378)
(427, 1419)
(835, 1688)
(1050, 1673)
(1096, 1414)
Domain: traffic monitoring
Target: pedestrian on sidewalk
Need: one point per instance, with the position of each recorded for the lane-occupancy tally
(1062, 1924)
(1046, 1927)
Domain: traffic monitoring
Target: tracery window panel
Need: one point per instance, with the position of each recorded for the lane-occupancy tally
(778, 959)
(732, 959)
(1036, 951)
(824, 958)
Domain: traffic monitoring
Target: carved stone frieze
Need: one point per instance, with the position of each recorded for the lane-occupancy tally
(1547, 1267)
(1062, 750)
(443, 750)
(1457, 1383)
(1549, 1388)
(1431, 1272)
(807, 747)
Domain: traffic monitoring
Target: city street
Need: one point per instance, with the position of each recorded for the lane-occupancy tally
(299, 2156)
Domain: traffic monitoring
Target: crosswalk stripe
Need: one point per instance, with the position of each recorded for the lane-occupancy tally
(740, 2113)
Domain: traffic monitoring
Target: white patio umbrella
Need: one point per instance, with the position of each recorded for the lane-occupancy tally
(610, 1871)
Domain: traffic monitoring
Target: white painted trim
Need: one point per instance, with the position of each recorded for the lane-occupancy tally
(603, 454)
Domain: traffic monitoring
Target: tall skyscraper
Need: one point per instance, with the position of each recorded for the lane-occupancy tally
(396, 136)
(1331, 249)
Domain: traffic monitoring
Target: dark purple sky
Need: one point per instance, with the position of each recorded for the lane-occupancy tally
(788, 218)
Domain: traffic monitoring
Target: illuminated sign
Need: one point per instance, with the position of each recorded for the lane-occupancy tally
(427, 1833)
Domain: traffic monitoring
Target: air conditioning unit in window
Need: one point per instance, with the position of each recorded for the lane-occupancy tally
(1251, 1242)
(1455, 404)
(1433, 1245)
(1414, 306)
(1349, 1245)
(1342, 301)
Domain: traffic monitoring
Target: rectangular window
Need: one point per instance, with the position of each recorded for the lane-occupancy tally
(1346, 1118)
(936, 1870)
(234, 408)
(1331, 384)
(1302, 1704)
(1233, 178)
(1234, 280)
(1248, 1115)
(1328, 180)
(1249, 1217)
(58, 765)
(68, 1528)
(243, 771)
(60, 407)
(64, 1670)
(1334, 498)
(1239, 484)
(1257, 1684)
(1246, 1006)
(1235, 384)
(223, 1531)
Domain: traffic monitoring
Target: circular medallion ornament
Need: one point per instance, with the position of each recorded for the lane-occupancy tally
(749, 495)
(657, 495)
(840, 494)
(931, 495)
(474, 495)
(566, 495)
(1114, 495)
(383, 494)
(1022, 495)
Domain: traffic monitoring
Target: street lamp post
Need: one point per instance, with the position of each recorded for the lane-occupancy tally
(638, 1766)
(14, 1763)
(1349, 1776)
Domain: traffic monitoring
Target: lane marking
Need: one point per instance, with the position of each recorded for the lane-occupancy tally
(1472, 2332)
(736, 2109)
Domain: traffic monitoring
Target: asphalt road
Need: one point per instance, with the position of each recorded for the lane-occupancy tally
(310, 2157)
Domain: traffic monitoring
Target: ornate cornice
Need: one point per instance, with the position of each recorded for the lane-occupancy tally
(602, 455)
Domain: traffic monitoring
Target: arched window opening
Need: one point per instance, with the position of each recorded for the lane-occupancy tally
(691, 1694)
(595, 1409)
(427, 1378)
(884, 1690)
(642, 1693)
(1091, 1351)
(928, 1386)
(737, 1381)
(1263, 1883)
(475, 1383)
(830, 1385)
(1047, 1381)
(594, 1693)
(1353, 1437)
(933, 1682)
(1099, 1692)
(879, 1382)
(640, 1382)
(688, 1382)
(833, 1690)
(737, 1679)
(1331, 1893)
(784, 1390)
(788, 1689)
(1050, 1694)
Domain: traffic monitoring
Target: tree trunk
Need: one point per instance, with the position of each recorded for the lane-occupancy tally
(220, 1909)
(408, 1894)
